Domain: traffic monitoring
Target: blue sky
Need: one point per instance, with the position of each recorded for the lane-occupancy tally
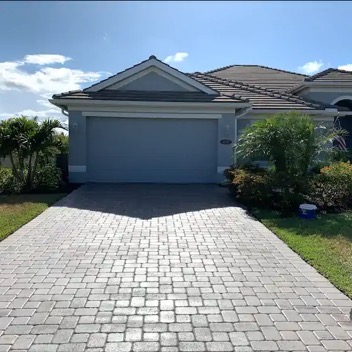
(50, 47)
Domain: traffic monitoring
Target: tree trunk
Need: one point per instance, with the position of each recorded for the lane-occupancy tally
(14, 169)
(34, 170)
(29, 174)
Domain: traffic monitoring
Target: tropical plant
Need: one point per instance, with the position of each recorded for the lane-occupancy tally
(26, 141)
(292, 142)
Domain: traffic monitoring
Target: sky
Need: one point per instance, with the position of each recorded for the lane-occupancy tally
(52, 47)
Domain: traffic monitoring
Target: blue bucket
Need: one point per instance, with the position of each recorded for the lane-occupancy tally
(307, 211)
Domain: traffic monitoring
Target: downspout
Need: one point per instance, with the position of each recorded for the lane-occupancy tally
(64, 111)
(245, 111)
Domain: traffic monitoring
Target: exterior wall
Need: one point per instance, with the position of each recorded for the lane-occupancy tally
(78, 145)
(226, 130)
(152, 82)
(325, 97)
(5, 162)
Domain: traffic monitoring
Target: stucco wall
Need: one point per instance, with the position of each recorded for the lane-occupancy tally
(5, 162)
(152, 82)
(77, 145)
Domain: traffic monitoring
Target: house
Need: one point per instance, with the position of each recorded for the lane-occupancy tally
(153, 123)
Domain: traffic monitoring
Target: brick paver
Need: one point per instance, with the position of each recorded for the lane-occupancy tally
(161, 268)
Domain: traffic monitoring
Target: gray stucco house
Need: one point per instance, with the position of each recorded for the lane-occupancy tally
(153, 123)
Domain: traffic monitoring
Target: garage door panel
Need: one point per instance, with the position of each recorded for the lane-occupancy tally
(151, 150)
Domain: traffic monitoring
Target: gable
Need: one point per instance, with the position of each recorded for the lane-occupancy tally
(148, 66)
(331, 75)
(151, 81)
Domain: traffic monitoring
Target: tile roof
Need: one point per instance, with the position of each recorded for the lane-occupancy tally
(165, 96)
(260, 98)
(266, 77)
(331, 75)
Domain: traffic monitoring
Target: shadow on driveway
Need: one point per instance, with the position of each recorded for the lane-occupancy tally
(147, 201)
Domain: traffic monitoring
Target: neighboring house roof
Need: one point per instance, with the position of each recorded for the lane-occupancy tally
(165, 96)
(260, 98)
(266, 77)
(331, 75)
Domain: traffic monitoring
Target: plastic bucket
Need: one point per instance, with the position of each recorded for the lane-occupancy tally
(307, 211)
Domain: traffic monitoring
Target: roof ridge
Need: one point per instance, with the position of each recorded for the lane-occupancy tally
(254, 65)
(218, 69)
(259, 89)
(324, 72)
(319, 74)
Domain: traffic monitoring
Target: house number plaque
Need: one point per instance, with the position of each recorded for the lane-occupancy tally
(226, 141)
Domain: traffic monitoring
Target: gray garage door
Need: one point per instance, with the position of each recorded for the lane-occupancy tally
(151, 150)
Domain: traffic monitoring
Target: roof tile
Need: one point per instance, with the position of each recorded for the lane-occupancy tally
(263, 76)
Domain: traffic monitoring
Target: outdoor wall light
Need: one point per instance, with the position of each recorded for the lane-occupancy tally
(227, 130)
(74, 127)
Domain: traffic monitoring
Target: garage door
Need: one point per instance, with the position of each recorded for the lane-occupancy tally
(151, 150)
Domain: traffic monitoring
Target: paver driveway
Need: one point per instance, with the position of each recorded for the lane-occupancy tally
(161, 268)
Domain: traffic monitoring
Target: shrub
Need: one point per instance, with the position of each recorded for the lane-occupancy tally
(331, 190)
(256, 187)
(48, 178)
(288, 192)
(251, 188)
(8, 183)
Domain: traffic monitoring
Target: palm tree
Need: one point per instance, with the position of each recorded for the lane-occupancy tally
(25, 141)
(290, 141)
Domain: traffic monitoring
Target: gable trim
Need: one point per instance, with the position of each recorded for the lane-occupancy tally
(342, 97)
(145, 65)
(151, 69)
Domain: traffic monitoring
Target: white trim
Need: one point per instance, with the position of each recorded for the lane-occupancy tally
(329, 112)
(342, 97)
(144, 65)
(77, 168)
(144, 115)
(147, 71)
(221, 169)
(135, 106)
(314, 117)
(82, 103)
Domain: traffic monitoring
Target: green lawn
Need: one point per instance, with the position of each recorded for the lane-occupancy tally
(17, 210)
(325, 243)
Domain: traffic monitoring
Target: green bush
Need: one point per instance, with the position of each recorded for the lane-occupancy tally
(331, 190)
(48, 178)
(256, 187)
(250, 188)
(8, 183)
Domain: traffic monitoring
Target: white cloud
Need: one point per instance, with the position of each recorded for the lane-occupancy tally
(54, 113)
(45, 59)
(47, 79)
(311, 67)
(347, 67)
(35, 86)
(178, 57)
